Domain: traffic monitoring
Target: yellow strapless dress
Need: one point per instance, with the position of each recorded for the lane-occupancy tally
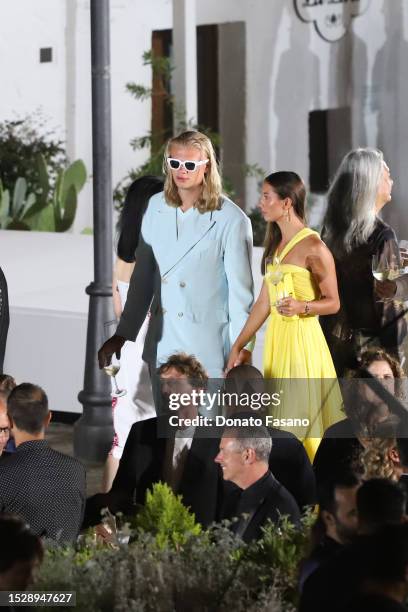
(295, 348)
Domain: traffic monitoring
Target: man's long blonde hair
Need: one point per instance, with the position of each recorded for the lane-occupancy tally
(212, 187)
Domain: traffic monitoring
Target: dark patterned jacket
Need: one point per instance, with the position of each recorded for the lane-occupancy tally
(44, 487)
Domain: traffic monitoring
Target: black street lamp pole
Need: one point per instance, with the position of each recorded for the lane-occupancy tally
(93, 432)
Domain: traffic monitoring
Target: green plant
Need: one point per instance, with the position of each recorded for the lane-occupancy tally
(197, 570)
(21, 141)
(257, 221)
(14, 209)
(166, 518)
(52, 208)
(281, 548)
(258, 226)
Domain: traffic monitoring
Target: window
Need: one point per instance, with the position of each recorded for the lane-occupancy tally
(45, 55)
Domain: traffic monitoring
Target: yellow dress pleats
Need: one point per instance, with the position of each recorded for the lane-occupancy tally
(296, 355)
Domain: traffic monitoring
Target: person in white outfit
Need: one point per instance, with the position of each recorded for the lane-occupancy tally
(133, 375)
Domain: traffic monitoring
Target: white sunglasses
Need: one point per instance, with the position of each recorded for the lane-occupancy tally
(190, 166)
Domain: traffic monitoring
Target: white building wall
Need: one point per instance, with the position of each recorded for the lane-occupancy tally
(290, 71)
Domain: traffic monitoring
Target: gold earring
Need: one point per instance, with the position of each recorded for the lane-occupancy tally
(288, 215)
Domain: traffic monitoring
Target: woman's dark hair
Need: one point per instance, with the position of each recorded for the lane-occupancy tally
(130, 220)
(287, 185)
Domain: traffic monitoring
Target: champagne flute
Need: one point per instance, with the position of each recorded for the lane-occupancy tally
(114, 366)
(274, 276)
(381, 269)
(403, 248)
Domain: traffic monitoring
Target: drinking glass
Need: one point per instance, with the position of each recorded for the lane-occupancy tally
(274, 276)
(114, 366)
(403, 248)
(380, 267)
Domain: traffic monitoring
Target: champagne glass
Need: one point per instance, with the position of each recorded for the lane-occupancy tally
(380, 267)
(274, 276)
(114, 366)
(403, 248)
(382, 270)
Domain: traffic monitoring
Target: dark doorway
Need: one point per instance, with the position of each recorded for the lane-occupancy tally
(329, 141)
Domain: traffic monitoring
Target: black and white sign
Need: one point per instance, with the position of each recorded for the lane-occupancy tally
(332, 18)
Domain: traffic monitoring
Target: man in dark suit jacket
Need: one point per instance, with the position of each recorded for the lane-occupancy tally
(288, 460)
(243, 456)
(43, 486)
(154, 453)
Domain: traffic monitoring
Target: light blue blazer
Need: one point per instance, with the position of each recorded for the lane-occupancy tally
(194, 272)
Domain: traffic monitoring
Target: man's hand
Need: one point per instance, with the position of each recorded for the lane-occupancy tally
(103, 534)
(385, 289)
(244, 357)
(113, 345)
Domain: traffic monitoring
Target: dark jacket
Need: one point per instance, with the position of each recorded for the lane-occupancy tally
(290, 464)
(338, 453)
(265, 500)
(361, 311)
(322, 553)
(46, 488)
(142, 465)
(4, 317)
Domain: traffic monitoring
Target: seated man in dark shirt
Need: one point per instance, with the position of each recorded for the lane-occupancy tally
(331, 586)
(43, 486)
(288, 460)
(336, 523)
(243, 456)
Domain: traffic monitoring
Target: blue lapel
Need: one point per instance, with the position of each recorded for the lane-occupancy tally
(199, 227)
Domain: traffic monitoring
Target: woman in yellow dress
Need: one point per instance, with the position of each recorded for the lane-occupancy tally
(299, 285)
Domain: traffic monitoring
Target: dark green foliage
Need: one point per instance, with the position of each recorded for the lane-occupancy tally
(173, 565)
(52, 208)
(21, 141)
(258, 226)
(166, 518)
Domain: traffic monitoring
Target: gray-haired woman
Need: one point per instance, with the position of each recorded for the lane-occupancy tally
(355, 234)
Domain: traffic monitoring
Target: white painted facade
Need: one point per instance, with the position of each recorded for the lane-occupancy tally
(290, 70)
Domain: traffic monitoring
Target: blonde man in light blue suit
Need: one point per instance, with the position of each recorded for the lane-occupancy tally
(193, 265)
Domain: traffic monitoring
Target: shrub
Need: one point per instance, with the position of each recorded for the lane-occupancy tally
(166, 518)
(172, 565)
(21, 141)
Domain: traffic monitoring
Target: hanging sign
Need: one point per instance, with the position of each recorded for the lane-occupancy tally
(331, 18)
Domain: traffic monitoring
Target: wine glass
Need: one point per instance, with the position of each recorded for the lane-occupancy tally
(403, 248)
(114, 366)
(380, 266)
(274, 276)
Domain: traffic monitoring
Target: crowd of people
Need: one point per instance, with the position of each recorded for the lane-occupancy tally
(187, 321)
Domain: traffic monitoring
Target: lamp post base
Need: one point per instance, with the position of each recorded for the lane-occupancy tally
(93, 431)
